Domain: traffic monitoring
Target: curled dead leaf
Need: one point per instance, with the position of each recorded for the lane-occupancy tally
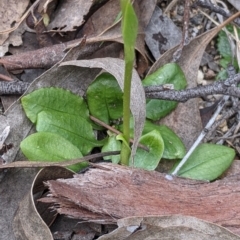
(28, 224)
(175, 227)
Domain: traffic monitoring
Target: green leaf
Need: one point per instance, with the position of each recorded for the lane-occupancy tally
(207, 162)
(112, 145)
(173, 145)
(53, 99)
(222, 75)
(119, 16)
(149, 160)
(74, 128)
(170, 73)
(104, 97)
(46, 147)
(129, 30)
(124, 142)
(225, 51)
(223, 45)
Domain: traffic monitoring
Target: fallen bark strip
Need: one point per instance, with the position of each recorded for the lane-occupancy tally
(48, 56)
(111, 192)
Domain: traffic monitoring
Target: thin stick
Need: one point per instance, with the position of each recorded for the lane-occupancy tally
(6, 78)
(31, 164)
(202, 135)
(231, 72)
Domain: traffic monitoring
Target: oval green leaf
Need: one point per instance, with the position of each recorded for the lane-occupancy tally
(173, 145)
(53, 99)
(75, 129)
(46, 147)
(149, 160)
(170, 73)
(223, 44)
(207, 162)
(112, 144)
(105, 98)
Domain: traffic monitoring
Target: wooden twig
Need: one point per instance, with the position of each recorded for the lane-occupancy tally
(37, 164)
(226, 87)
(48, 56)
(231, 81)
(185, 35)
(11, 88)
(214, 8)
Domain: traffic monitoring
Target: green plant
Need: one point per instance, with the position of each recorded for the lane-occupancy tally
(129, 33)
(224, 48)
(65, 130)
(59, 114)
(58, 111)
(207, 162)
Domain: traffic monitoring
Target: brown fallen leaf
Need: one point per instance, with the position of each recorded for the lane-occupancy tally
(118, 191)
(207, 112)
(175, 227)
(27, 224)
(12, 15)
(69, 15)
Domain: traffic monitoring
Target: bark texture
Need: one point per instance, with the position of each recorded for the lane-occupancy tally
(110, 192)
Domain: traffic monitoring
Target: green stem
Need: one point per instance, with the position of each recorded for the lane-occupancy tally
(125, 152)
(129, 33)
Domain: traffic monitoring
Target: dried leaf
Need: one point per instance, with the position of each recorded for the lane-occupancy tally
(116, 68)
(235, 3)
(4, 135)
(28, 224)
(70, 14)
(161, 33)
(11, 12)
(175, 227)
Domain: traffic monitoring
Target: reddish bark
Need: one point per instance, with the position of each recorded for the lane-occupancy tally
(46, 57)
(114, 191)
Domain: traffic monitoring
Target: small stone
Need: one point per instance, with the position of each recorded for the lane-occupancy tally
(224, 129)
(210, 74)
(200, 77)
